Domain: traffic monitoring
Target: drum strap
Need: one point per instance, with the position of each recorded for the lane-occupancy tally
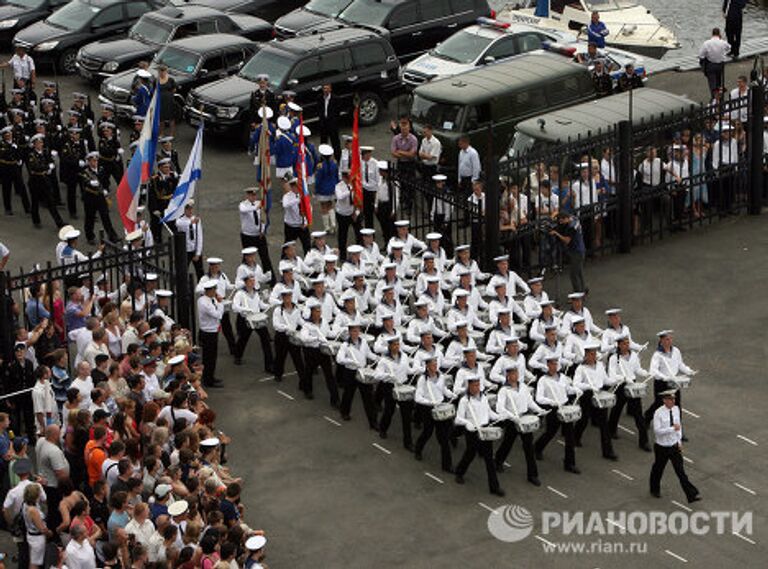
(552, 392)
(431, 393)
(512, 400)
(472, 412)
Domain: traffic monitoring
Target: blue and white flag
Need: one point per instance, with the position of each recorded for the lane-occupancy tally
(185, 190)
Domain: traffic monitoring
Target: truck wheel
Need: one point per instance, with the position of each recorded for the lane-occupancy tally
(370, 109)
(67, 62)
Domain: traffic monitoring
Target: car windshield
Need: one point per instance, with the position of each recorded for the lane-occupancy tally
(463, 47)
(442, 116)
(25, 3)
(521, 144)
(150, 30)
(329, 8)
(269, 61)
(368, 12)
(604, 5)
(177, 59)
(73, 16)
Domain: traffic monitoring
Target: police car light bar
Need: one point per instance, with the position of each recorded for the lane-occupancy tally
(483, 21)
(558, 48)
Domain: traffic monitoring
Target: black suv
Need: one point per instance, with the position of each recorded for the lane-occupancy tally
(353, 60)
(313, 13)
(270, 10)
(56, 39)
(18, 14)
(191, 62)
(414, 26)
(104, 58)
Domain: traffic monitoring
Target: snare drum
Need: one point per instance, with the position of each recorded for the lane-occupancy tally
(527, 424)
(492, 397)
(256, 321)
(365, 376)
(326, 349)
(682, 381)
(293, 338)
(569, 413)
(635, 390)
(603, 399)
(403, 392)
(490, 433)
(443, 412)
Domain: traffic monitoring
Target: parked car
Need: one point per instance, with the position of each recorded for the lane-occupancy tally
(19, 14)
(191, 62)
(313, 13)
(354, 61)
(487, 42)
(270, 10)
(55, 40)
(413, 26)
(101, 59)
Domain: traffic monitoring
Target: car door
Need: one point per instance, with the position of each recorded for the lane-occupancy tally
(135, 10)
(528, 41)
(438, 21)
(110, 21)
(500, 50)
(213, 67)
(406, 31)
(306, 79)
(236, 58)
(371, 67)
(338, 70)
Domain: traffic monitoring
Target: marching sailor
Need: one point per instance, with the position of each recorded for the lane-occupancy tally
(314, 334)
(431, 392)
(351, 358)
(251, 316)
(666, 364)
(393, 371)
(624, 367)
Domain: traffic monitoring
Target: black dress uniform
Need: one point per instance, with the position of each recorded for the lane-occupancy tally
(110, 158)
(174, 157)
(10, 171)
(39, 162)
(72, 162)
(159, 194)
(95, 201)
(257, 97)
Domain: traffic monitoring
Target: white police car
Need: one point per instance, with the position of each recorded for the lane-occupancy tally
(486, 42)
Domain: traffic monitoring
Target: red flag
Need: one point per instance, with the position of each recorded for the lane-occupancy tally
(354, 163)
(301, 174)
(265, 182)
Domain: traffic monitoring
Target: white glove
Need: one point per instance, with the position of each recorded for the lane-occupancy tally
(94, 183)
(51, 166)
(14, 145)
(81, 163)
(54, 153)
(89, 122)
(120, 151)
(105, 192)
(19, 162)
(58, 127)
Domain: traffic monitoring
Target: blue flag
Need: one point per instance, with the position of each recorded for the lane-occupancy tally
(192, 172)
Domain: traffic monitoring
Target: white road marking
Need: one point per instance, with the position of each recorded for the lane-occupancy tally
(542, 540)
(675, 555)
(486, 507)
(507, 464)
(560, 442)
(381, 448)
(683, 506)
(748, 490)
(622, 474)
(626, 430)
(433, 477)
(692, 414)
(745, 439)
(745, 538)
(286, 395)
(617, 524)
(332, 421)
(688, 460)
(556, 491)
(268, 378)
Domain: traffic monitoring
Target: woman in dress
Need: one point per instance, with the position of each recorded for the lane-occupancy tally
(698, 197)
(34, 522)
(167, 86)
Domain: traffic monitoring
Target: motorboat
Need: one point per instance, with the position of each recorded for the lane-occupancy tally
(631, 26)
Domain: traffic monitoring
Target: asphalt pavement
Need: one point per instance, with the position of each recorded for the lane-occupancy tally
(333, 494)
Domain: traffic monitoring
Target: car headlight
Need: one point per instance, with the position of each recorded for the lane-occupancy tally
(5, 24)
(46, 46)
(227, 112)
(110, 66)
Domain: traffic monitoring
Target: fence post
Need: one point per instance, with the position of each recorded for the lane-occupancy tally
(6, 329)
(756, 112)
(182, 292)
(624, 192)
(492, 198)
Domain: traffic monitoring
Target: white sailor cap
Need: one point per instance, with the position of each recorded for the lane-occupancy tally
(92, 154)
(6, 130)
(164, 293)
(583, 165)
(164, 139)
(459, 248)
(548, 327)
(433, 280)
(576, 296)
(402, 223)
(387, 288)
(37, 137)
(288, 244)
(367, 231)
(668, 393)
(725, 127)
(303, 129)
(497, 282)
(283, 123)
(389, 266)
(255, 543)
(143, 73)
(511, 339)
(501, 258)
(395, 338)
(249, 251)
(162, 490)
(347, 138)
(212, 283)
(348, 294)
(63, 232)
(510, 367)
(214, 260)
(439, 178)
(461, 293)
(330, 258)
(434, 236)
(314, 303)
(251, 190)
(354, 323)
(535, 280)
(151, 277)
(364, 149)
(428, 256)
(397, 244)
(621, 337)
(317, 280)
(613, 311)
(286, 290)
(461, 324)
(421, 303)
(72, 234)
(318, 234)
(592, 345)
(176, 360)
(548, 302)
(262, 77)
(503, 310)
(354, 249)
(294, 107)
(325, 150)
(210, 442)
(663, 333)
(285, 266)
(468, 349)
(134, 235)
(577, 320)
(382, 165)
(552, 356)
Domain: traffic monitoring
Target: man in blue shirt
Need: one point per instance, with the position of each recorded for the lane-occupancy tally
(596, 31)
(569, 233)
(35, 310)
(77, 311)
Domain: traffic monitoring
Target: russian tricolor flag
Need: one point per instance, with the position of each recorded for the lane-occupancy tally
(141, 165)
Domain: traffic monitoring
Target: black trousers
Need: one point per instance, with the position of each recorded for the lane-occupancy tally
(314, 358)
(600, 416)
(485, 449)
(209, 342)
(443, 226)
(673, 454)
(72, 197)
(198, 265)
(55, 189)
(10, 176)
(476, 244)
(442, 430)
(298, 234)
(733, 25)
(369, 206)
(111, 169)
(244, 333)
(384, 215)
(660, 385)
(714, 74)
(346, 377)
(23, 416)
(551, 425)
(282, 348)
(331, 136)
(344, 224)
(635, 409)
(260, 242)
(406, 412)
(53, 499)
(229, 335)
(93, 204)
(40, 190)
(510, 436)
(576, 270)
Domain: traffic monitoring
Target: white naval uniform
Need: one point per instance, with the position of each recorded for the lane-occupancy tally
(513, 403)
(480, 415)
(668, 365)
(431, 391)
(554, 391)
(193, 234)
(461, 383)
(409, 245)
(589, 323)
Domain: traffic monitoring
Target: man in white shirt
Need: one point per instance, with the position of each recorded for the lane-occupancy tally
(369, 173)
(253, 226)
(192, 228)
(668, 447)
(469, 166)
(430, 150)
(294, 219)
(725, 156)
(210, 310)
(84, 384)
(24, 73)
(347, 213)
(43, 400)
(712, 59)
(79, 553)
